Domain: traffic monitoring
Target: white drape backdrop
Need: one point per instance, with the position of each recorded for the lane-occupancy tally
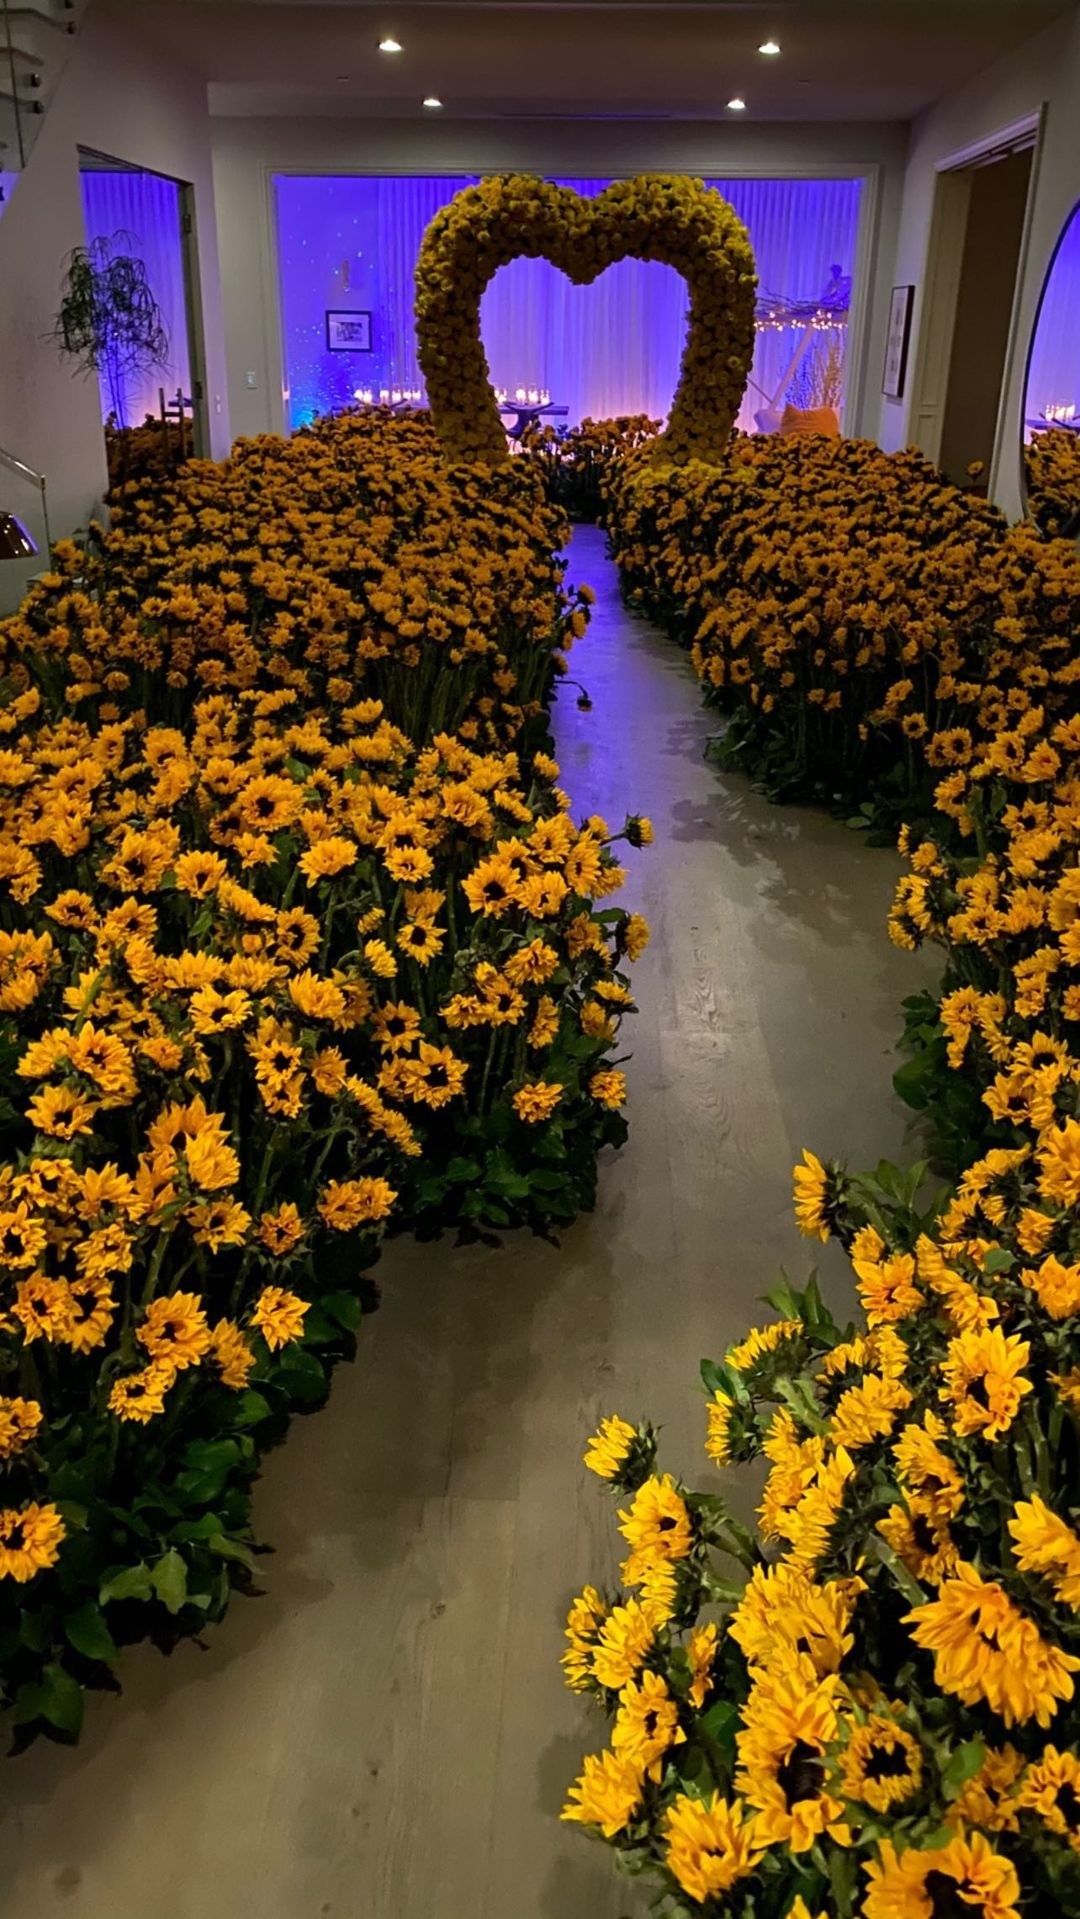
(351, 242)
(146, 208)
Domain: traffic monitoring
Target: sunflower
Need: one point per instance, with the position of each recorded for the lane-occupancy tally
(279, 1316)
(783, 1612)
(788, 1723)
(30, 1541)
(20, 1421)
(881, 1765)
(345, 1204)
(140, 1397)
(536, 1101)
(607, 1795)
(983, 1375)
(421, 940)
(700, 1655)
(1051, 1789)
(583, 1621)
(965, 1878)
(763, 1341)
(926, 1471)
(622, 1644)
(610, 1446)
(657, 1523)
(281, 1230)
(1044, 1544)
(646, 1724)
(175, 1330)
(813, 1209)
(986, 1649)
(920, 1536)
(711, 1844)
(232, 1355)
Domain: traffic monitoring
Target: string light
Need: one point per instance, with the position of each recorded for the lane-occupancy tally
(769, 46)
(389, 45)
(737, 105)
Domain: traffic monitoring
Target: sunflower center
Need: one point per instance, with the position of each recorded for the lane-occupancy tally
(650, 1722)
(886, 1763)
(802, 1774)
(923, 1534)
(944, 1897)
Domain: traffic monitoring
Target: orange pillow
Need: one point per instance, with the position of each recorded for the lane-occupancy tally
(810, 419)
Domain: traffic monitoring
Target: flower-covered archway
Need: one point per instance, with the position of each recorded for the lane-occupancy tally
(665, 217)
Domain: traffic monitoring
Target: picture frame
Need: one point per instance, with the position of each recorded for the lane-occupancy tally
(348, 332)
(897, 341)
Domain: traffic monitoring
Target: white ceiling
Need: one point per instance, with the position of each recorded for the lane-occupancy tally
(680, 59)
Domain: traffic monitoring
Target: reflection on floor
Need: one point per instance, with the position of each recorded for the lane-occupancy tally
(384, 1736)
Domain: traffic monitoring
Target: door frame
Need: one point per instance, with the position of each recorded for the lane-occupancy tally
(941, 285)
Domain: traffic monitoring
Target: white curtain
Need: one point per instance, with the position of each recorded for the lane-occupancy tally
(145, 209)
(351, 242)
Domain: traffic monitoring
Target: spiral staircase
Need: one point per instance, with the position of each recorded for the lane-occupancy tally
(36, 39)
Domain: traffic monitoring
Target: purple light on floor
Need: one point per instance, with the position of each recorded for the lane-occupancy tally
(349, 242)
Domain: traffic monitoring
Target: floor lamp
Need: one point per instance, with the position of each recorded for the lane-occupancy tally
(12, 531)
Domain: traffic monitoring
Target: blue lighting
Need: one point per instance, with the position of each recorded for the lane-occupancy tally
(349, 242)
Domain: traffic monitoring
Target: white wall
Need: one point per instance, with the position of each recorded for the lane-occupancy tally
(128, 103)
(247, 151)
(1045, 70)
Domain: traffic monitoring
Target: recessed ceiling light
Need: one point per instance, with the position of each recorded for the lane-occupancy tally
(769, 46)
(433, 101)
(737, 105)
(389, 45)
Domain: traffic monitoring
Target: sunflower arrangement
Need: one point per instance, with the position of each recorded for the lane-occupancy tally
(842, 607)
(578, 463)
(867, 1706)
(276, 978)
(1052, 461)
(666, 217)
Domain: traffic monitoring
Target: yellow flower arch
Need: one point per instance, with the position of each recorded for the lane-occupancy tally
(657, 216)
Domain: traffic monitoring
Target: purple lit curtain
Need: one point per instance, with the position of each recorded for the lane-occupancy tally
(351, 241)
(146, 208)
(1054, 372)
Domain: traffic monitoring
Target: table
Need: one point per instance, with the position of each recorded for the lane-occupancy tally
(528, 413)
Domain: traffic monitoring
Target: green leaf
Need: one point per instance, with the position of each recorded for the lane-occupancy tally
(998, 1260)
(250, 1408)
(60, 1700)
(133, 1583)
(459, 1170)
(169, 1578)
(345, 1309)
(226, 1548)
(963, 1763)
(87, 1632)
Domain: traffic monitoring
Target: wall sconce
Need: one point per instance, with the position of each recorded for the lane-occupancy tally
(8, 520)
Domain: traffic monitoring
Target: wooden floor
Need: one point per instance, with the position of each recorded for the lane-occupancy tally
(384, 1735)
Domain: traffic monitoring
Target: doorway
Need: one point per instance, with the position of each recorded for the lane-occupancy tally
(148, 351)
(977, 241)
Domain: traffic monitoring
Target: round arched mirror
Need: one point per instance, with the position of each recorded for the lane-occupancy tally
(1051, 450)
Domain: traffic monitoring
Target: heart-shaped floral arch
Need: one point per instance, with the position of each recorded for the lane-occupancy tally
(665, 217)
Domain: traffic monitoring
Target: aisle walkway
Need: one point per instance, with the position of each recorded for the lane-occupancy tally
(384, 1736)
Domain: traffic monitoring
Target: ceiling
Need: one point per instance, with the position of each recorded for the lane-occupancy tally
(498, 59)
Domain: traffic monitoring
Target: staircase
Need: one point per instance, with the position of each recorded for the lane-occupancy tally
(35, 43)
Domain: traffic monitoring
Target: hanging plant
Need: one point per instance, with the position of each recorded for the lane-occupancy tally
(109, 322)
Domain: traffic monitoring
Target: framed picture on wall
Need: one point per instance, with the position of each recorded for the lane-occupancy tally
(348, 332)
(896, 345)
